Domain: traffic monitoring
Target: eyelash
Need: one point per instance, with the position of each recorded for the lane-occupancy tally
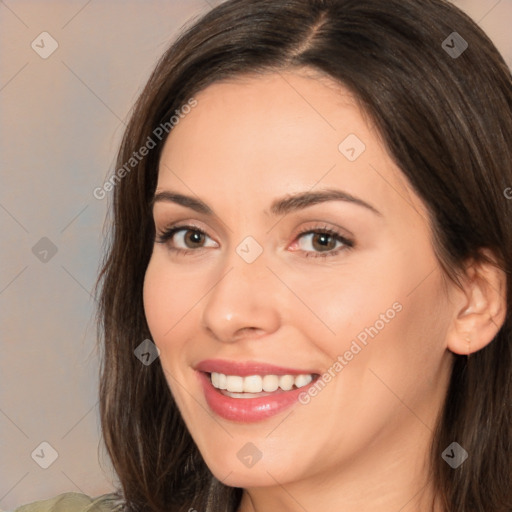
(164, 236)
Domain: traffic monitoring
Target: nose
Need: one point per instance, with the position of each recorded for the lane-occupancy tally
(243, 303)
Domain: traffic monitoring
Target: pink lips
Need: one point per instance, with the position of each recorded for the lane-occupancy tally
(246, 368)
(246, 410)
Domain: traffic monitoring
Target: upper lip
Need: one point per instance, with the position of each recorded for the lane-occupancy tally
(245, 368)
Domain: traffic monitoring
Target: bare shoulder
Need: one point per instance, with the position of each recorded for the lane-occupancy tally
(74, 502)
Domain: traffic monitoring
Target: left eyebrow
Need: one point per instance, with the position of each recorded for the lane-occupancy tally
(305, 199)
(280, 206)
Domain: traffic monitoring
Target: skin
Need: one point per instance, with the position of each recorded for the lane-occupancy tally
(361, 444)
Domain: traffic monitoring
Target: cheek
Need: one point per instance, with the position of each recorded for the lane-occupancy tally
(384, 313)
(154, 297)
(165, 312)
(168, 300)
(402, 347)
(347, 303)
(166, 315)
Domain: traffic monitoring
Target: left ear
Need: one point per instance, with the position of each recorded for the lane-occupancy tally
(481, 307)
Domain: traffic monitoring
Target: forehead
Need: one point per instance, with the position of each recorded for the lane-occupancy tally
(275, 133)
(249, 111)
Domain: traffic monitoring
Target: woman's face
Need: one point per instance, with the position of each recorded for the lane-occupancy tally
(340, 282)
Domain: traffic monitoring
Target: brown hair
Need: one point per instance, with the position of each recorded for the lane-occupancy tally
(446, 121)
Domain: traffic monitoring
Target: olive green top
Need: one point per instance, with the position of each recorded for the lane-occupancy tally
(74, 502)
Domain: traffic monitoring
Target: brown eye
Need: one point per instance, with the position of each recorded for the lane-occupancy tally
(194, 237)
(189, 237)
(324, 242)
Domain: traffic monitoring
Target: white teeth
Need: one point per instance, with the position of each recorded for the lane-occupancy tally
(257, 383)
(270, 383)
(234, 383)
(302, 380)
(253, 384)
(223, 381)
(286, 382)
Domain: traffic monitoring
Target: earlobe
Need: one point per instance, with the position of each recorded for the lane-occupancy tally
(481, 310)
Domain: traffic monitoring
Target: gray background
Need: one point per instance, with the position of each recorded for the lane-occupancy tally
(61, 120)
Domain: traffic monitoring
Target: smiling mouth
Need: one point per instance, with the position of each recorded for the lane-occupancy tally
(257, 386)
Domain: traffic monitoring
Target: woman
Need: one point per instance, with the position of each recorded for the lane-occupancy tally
(305, 302)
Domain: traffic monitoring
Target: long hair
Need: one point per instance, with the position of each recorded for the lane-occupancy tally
(442, 105)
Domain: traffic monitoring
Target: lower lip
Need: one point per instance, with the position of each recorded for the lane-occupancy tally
(248, 410)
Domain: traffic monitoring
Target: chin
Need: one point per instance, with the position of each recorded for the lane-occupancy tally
(241, 464)
(246, 478)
